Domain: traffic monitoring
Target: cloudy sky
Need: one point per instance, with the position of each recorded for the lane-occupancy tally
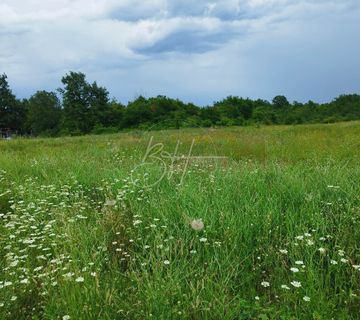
(198, 51)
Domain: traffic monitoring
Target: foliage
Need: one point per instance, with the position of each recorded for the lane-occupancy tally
(85, 107)
(12, 112)
(43, 113)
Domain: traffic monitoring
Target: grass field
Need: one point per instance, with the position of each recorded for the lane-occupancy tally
(272, 231)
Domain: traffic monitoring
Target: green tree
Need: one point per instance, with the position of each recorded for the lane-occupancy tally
(76, 103)
(84, 104)
(235, 108)
(12, 111)
(44, 113)
(98, 104)
(280, 102)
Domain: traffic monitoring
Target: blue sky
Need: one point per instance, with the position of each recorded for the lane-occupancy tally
(198, 51)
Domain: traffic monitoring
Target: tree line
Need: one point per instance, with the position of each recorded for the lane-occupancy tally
(80, 107)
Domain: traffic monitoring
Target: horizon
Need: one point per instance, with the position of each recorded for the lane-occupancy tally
(177, 98)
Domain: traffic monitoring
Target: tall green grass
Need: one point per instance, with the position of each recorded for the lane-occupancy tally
(80, 239)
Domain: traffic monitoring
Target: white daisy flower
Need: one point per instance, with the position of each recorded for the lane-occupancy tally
(296, 284)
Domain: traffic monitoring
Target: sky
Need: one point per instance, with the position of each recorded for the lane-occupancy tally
(198, 51)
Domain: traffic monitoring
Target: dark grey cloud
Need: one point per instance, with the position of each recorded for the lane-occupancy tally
(188, 42)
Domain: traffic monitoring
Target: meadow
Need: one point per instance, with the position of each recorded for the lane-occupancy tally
(259, 223)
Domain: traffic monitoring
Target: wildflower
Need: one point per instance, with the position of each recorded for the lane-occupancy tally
(197, 224)
(334, 262)
(356, 267)
(79, 279)
(296, 284)
(38, 268)
(299, 262)
(14, 263)
(68, 275)
(322, 250)
(166, 262)
(284, 286)
(341, 253)
(193, 251)
(265, 284)
(299, 238)
(66, 317)
(343, 260)
(294, 270)
(257, 298)
(13, 298)
(203, 239)
(306, 298)
(283, 251)
(24, 281)
(109, 203)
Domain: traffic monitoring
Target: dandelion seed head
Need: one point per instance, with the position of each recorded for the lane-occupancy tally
(197, 224)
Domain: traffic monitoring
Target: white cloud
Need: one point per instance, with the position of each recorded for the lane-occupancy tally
(198, 49)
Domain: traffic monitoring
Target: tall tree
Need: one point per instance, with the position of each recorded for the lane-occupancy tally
(280, 102)
(44, 113)
(76, 103)
(12, 111)
(85, 105)
(98, 104)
